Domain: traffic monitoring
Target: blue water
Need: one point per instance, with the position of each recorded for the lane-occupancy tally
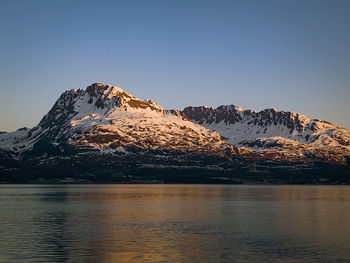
(174, 223)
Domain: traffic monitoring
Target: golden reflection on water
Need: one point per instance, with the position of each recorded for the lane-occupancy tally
(140, 223)
(175, 223)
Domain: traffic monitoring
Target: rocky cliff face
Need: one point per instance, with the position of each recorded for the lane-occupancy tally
(274, 134)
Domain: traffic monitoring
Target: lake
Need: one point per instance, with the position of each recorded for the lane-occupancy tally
(174, 223)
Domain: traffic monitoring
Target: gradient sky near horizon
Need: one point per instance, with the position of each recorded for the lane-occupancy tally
(284, 54)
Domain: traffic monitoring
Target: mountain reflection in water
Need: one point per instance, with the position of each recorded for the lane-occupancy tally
(174, 223)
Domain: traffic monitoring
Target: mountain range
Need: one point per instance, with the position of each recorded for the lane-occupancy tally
(103, 133)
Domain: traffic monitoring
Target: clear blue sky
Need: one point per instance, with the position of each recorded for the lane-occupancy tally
(291, 55)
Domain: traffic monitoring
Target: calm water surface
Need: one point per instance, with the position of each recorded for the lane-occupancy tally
(174, 223)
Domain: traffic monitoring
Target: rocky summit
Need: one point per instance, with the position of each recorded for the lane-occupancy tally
(105, 132)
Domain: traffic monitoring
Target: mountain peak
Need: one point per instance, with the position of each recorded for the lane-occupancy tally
(97, 99)
(23, 129)
(99, 84)
(230, 108)
(97, 89)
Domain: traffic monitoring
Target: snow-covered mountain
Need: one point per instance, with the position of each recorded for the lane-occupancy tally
(274, 134)
(105, 129)
(7, 139)
(107, 119)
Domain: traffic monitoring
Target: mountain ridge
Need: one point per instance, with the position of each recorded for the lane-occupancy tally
(293, 134)
(111, 126)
